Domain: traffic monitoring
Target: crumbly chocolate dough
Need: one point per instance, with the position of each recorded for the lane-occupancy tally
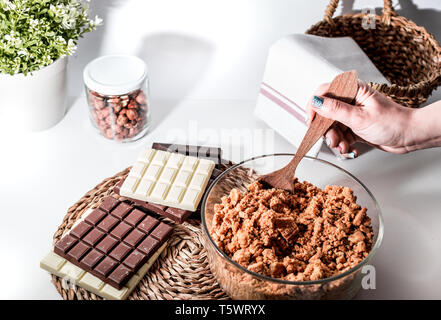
(310, 234)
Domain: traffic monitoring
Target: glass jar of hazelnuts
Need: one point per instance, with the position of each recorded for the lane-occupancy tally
(117, 94)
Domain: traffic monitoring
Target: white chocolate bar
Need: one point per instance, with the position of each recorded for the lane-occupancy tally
(62, 268)
(169, 179)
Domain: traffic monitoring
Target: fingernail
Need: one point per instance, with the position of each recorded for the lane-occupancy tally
(328, 141)
(317, 102)
(351, 155)
(339, 148)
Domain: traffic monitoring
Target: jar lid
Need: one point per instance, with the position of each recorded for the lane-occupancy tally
(115, 74)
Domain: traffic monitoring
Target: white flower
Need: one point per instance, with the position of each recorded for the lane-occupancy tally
(68, 23)
(53, 9)
(8, 5)
(13, 39)
(34, 22)
(71, 47)
(97, 21)
(61, 39)
(47, 60)
(23, 52)
(69, 18)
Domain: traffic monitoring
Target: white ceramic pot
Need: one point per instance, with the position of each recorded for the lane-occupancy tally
(34, 102)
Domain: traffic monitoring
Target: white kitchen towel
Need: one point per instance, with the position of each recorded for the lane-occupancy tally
(295, 67)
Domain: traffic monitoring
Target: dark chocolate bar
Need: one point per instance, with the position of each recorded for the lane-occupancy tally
(113, 241)
(210, 153)
(175, 214)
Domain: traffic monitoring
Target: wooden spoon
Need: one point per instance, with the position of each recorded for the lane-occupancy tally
(344, 87)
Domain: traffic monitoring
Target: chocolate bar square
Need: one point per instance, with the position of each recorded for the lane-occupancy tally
(134, 217)
(107, 244)
(91, 259)
(81, 229)
(95, 217)
(121, 230)
(93, 237)
(134, 237)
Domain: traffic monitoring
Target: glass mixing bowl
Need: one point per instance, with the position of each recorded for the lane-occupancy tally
(240, 283)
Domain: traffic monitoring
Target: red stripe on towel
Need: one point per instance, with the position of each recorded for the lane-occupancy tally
(295, 105)
(282, 104)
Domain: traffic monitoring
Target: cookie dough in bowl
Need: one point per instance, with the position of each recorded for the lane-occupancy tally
(272, 244)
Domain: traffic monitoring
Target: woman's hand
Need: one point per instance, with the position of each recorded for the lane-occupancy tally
(374, 119)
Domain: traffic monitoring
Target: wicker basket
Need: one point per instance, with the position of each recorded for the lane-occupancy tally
(407, 55)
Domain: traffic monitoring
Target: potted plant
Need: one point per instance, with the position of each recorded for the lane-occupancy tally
(36, 36)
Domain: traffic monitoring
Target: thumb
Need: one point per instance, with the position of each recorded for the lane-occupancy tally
(337, 110)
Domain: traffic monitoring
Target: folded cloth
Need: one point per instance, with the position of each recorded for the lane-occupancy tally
(295, 67)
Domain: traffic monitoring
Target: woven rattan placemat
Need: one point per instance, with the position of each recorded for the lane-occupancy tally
(181, 272)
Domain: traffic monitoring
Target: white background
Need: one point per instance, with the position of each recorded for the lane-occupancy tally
(206, 59)
(210, 49)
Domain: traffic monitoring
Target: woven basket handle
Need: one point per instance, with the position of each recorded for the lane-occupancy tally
(388, 11)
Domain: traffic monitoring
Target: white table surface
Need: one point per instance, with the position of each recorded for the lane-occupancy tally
(46, 172)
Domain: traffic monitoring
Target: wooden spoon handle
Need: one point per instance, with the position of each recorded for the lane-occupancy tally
(344, 87)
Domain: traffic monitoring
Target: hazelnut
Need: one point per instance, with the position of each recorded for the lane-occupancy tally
(122, 120)
(99, 104)
(103, 125)
(140, 98)
(109, 133)
(95, 94)
(105, 112)
(108, 120)
(114, 100)
(117, 108)
(132, 114)
(95, 119)
(132, 105)
(100, 115)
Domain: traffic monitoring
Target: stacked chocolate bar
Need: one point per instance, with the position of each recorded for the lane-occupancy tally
(110, 249)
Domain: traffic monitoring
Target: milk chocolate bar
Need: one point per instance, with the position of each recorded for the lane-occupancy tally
(175, 214)
(113, 241)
